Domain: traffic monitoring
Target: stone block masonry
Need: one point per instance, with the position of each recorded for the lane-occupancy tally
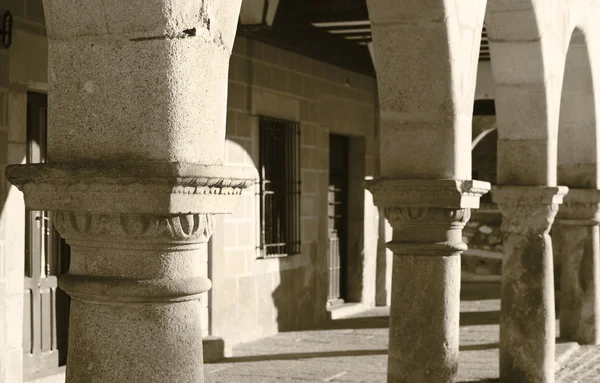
(271, 295)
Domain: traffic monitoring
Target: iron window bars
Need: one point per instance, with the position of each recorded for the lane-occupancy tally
(280, 187)
(6, 24)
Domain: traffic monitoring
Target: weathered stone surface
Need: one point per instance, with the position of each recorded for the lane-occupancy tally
(424, 319)
(132, 186)
(429, 50)
(527, 325)
(580, 207)
(578, 238)
(580, 283)
(392, 192)
(427, 217)
(527, 315)
(136, 128)
(532, 166)
(578, 146)
(120, 310)
(137, 78)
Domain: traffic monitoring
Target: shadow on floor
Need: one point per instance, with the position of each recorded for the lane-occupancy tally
(354, 323)
(478, 318)
(301, 355)
(479, 291)
(332, 354)
(478, 347)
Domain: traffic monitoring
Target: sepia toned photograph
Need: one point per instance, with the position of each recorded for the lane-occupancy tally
(272, 191)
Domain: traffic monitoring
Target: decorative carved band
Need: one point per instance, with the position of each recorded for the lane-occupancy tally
(427, 230)
(132, 187)
(527, 218)
(528, 210)
(391, 192)
(578, 213)
(186, 228)
(410, 216)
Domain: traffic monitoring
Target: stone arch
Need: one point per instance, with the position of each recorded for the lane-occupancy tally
(578, 129)
(524, 46)
(426, 68)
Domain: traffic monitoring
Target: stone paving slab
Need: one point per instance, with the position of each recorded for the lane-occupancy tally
(582, 367)
(355, 349)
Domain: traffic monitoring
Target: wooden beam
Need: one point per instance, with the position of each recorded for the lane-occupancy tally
(315, 43)
(314, 11)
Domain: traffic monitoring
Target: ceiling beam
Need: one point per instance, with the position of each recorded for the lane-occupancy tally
(317, 44)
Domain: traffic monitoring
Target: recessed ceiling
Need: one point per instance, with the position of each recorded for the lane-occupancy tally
(347, 19)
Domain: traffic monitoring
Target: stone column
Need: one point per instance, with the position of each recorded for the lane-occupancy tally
(137, 104)
(427, 217)
(577, 234)
(527, 318)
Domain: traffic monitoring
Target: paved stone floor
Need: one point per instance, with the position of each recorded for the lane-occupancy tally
(582, 367)
(355, 350)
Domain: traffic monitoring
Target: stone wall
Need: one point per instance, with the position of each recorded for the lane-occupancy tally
(253, 298)
(23, 67)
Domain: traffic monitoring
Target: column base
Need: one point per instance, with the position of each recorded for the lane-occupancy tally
(213, 349)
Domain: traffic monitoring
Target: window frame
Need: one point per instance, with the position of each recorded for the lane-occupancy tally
(286, 195)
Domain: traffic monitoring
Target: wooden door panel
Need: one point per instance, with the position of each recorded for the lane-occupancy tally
(337, 222)
(27, 320)
(47, 330)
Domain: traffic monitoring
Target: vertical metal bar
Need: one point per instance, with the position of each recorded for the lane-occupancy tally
(277, 151)
(279, 159)
(271, 197)
(267, 185)
(261, 149)
(290, 189)
(292, 186)
(298, 186)
(329, 269)
(277, 187)
(285, 189)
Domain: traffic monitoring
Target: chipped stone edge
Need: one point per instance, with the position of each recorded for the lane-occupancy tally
(580, 207)
(391, 192)
(529, 195)
(132, 187)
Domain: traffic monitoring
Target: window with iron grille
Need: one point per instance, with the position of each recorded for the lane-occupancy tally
(279, 161)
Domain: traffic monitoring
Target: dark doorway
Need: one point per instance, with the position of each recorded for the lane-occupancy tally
(45, 307)
(338, 218)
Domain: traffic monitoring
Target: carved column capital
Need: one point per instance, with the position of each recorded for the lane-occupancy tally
(132, 187)
(391, 192)
(528, 210)
(427, 215)
(581, 207)
(134, 228)
(401, 217)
